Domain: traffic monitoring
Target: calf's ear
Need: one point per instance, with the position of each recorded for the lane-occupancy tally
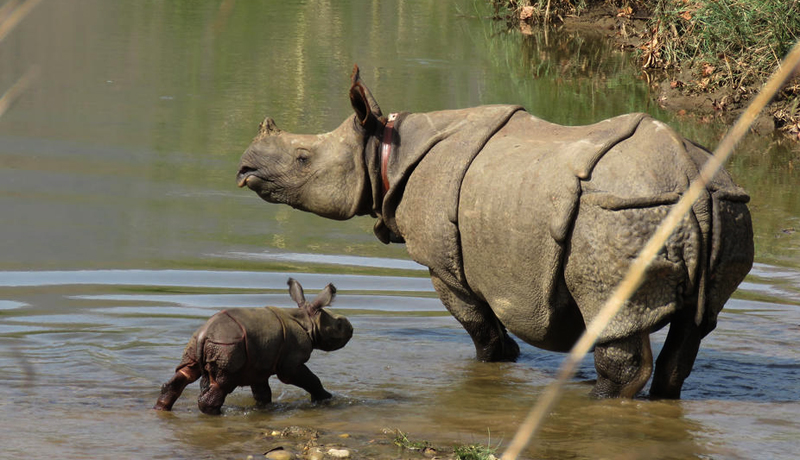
(368, 113)
(296, 292)
(323, 299)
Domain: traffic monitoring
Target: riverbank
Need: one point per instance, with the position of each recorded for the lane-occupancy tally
(692, 71)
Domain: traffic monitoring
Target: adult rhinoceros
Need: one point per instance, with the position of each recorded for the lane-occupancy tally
(527, 225)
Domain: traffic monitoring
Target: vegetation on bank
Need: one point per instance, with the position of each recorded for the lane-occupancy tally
(460, 451)
(705, 45)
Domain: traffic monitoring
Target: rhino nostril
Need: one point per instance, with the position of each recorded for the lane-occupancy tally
(246, 170)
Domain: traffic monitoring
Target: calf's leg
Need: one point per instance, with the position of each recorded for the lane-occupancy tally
(491, 340)
(262, 393)
(212, 396)
(172, 390)
(623, 366)
(302, 377)
(215, 385)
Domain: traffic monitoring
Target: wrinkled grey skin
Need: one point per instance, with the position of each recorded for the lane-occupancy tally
(528, 226)
(245, 346)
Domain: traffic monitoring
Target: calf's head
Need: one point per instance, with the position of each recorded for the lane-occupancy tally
(323, 173)
(328, 331)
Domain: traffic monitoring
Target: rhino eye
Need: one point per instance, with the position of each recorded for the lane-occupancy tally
(302, 156)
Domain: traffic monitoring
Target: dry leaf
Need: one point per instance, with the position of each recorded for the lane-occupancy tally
(526, 13)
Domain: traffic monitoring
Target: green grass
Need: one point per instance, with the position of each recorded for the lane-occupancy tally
(743, 40)
(401, 440)
(460, 451)
(474, 452)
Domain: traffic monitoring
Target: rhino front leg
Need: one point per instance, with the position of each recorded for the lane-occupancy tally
(302, 377)
(491, 340)
(674, 363)
(623, 366)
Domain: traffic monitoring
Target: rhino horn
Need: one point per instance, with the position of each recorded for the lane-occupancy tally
(268, 128)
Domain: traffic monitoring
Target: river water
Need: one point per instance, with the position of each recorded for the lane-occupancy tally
(122, 230)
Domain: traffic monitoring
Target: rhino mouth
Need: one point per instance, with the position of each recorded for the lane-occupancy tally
(267, 189)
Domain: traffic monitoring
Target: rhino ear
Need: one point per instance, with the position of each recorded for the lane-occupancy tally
(323, 299)
(296, 292)
(367, 110)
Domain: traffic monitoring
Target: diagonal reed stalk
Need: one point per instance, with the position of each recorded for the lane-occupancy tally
(633, 278)
(17, 89)
(10, 16)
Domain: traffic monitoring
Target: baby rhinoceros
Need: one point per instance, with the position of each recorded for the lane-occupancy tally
(245, 346)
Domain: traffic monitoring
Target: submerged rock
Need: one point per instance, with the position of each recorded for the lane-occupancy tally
(280, 454)
(339, 453)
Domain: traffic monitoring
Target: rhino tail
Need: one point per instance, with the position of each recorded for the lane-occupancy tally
(703, 210)
(731, 249)
(727, 251)
(200, 343)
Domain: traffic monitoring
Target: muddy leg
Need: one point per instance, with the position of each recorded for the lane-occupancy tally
(172, 390)
(491, 340)
(302, 377)
(623, 367)
(674, 363)
(262, 393)
(212, 397)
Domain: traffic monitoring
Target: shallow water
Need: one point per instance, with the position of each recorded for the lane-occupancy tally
(122, 230)
(84, 353)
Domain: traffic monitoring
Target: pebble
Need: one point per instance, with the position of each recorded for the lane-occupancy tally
(339, 453)
(279, 454)
(315, 454)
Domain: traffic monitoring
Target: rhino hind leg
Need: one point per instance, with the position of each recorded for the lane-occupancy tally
(172, 390)
(214, 388)
(210, 401)
(491, 340)
(623, 366)
(676, 359)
